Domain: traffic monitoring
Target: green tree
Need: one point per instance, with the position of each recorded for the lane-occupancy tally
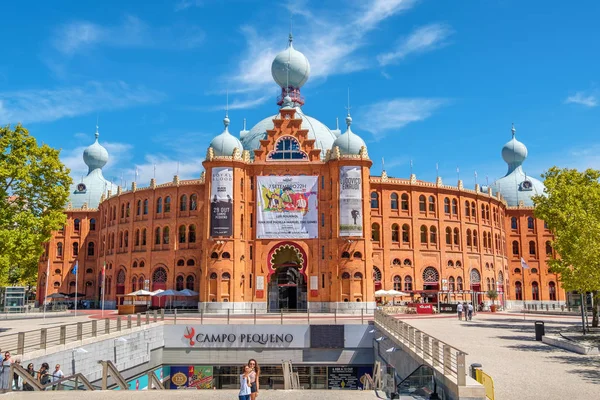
(34, 188)
(571, 209)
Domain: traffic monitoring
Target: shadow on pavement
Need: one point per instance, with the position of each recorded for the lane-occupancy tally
(591, 373)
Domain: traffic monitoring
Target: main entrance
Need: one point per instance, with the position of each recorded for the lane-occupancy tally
(287, 282)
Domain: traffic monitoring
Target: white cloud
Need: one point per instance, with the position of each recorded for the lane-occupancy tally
(131, 32)
(49, 105)
(182, 5)
(329, 45)
(389, 115)
(426, 38)
(583, 99)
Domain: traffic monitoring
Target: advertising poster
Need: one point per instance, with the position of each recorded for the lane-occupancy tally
(287, 207)
(179, 377)
(351, 218)
(200, 377)
(221, 202)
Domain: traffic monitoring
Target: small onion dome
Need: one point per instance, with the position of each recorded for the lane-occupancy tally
(95, 156)
(514, 152)
(299, 68)
(225, 143)
(349, 143)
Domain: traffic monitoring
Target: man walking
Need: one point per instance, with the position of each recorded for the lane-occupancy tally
(57, 375)
(470, 311)
(459, 309)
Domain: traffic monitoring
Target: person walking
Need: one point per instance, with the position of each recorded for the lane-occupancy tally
(245, 383)
(57, 375)
(31, 371)
(44, 376)
(254, 378)
(470, 311)
(459, 309)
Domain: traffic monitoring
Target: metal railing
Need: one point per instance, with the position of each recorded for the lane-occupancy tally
(109, 369)
(439, 355)
(73, 382)
(39, 339)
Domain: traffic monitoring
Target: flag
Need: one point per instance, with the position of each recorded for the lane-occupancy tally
(475, 174)
(524, 264)
(103, 273)
(457, 170)
(75, 268)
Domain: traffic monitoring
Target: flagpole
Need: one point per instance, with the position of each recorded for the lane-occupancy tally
(76, 276)
(103, 286)
(46, 290)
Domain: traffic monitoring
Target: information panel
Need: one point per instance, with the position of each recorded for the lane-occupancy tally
(347, 377)
(287, 207)
(351, 219)
(221, 202)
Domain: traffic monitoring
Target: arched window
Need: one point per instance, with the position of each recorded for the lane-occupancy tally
(518, 291)
(166, 235)
(448, 235)
(487, 265)
(134, 284)
(396, 262)
(530, 223)
(374, 200)
(407, 262)
(469, 238)
(183, 203)
(446, 205)
(431, 204)
(430, 275)
(467, 209)
(535, 291)
(408, 283)
(127, 210)
(451, 285)
(120, 239)
(532, 248)
(483, 211)
(422, 203)
(345, 254)
(456, 237)
(193, 202)
(123, 210)
(181, 262)
(450, 263)
(395, 233)
(358, 275)
(458, 264)
(515, 248)
(121, 277)
(179, 283)
(157, 236)
(287, 148)
(138, 208)
(159, 275)
(487, 213)
(394, 201)
(141, 282)
(423, 234)
(214, 255)
(190, 282)
(181, 234)
(168, 204)
(454, 207)
(93, 224)
(459, 283)
(144, 237)
(484, 234)
(159, 205)
(213, 275)
(404, 202)
(397, 283)
(376, 274)
(226, 255)
(142, 264)
(405, 233)
(488, 283)
(475, 243)
(134, 265)
(375, 232)
(345, 275)
(433, 235)
(192, 234)
(90, 249)
(75, 249)
(473, 210)
(126, 239)
(89, 271)
(145, 206)
(357, 254)
(225, 276)
(548, 248)
(552, 290)
(77, 225)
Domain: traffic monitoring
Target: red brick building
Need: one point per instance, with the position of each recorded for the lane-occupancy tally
(288, 216)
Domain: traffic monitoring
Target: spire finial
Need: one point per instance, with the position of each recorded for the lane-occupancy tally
(513, 130)
(337, 123)
(348, 117)
(226, 119)
(97, 133)
(244, 123)
(291, 37)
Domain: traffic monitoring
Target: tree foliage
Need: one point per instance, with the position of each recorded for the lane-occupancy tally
(571, 209)
(34, 188)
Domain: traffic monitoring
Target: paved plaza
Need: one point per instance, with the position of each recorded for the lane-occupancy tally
(522, 368)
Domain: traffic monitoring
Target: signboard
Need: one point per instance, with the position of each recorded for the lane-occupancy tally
(179, 377)
(448, 308)
(351, 218)
(221, 202)
(147, 284)
(287, 207)
(346, 377)
(237, 336)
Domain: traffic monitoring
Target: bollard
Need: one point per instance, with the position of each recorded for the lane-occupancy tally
(147, 318)
(129, 321)
(106, 326)
(21, 343)
(63, 334)
(162, 314)
(228, 310)
(281, 312)
(43, 338)
(155, 315)
(175, 317)
(94, 328)
(461, 373)
(119, 323)
(335, 316)
(255, 316)
(362, 316)
(139, 319)
(79, 330)
(201, 317)
(308, 316)
(474, 368)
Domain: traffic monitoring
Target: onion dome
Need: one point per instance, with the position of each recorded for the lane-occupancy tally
(95, 156)
(290, 68)
(225, 143)
(514, 152)
(349, 143)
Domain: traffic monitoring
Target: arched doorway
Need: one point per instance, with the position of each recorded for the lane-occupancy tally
(431, 284)
(120, 286)
(287, 281)
(476, 285)
(159, 281)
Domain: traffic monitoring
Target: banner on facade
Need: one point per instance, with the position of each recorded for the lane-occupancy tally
(351, 203)
(221, 202)
(287, 207)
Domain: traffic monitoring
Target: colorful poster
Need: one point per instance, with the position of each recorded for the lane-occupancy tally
(221, 202)
(200, 377)
(287, 207)
(351, 203)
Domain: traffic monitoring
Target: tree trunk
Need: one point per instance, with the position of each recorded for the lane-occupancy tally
(595, 308)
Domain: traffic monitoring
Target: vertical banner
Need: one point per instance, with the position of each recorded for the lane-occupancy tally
(221, 202)
(287, 207)
(351, 218)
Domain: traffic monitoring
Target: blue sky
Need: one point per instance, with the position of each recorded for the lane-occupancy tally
(430, 81)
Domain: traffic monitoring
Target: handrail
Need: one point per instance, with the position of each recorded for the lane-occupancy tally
(37, 386)
(109, 367)
(78, 377)
(154, 382)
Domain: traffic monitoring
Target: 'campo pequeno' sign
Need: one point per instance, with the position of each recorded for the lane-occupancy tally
(196, 337)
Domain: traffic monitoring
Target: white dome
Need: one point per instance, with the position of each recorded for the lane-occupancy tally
(95, 156)
(225, 143)
(323, 136)
(299, 68)
(349, 143)
(514, 152)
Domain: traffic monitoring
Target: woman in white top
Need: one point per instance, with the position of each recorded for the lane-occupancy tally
(245, 383)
